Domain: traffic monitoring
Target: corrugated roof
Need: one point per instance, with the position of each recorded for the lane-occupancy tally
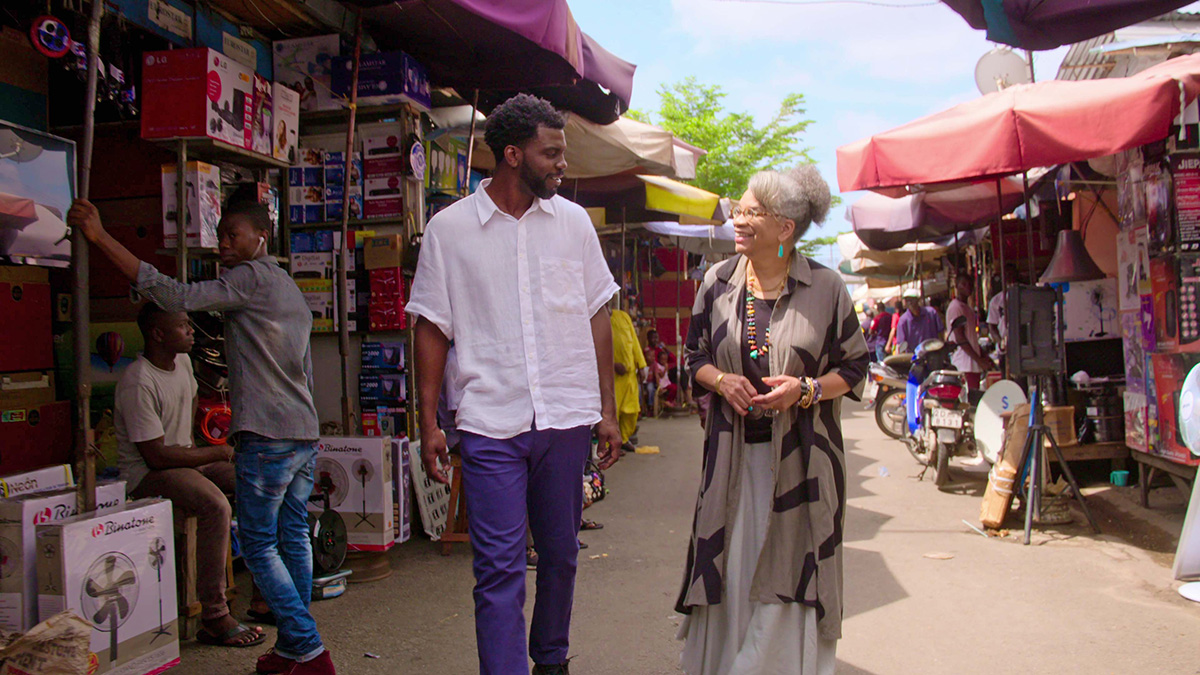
(1082, 63)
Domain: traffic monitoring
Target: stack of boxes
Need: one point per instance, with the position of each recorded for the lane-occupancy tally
(35, 428)
(316, 186)
(314, 264)
(382, 257)
(335, 186)
(383, 167)
(383, 389)
(1158, 289)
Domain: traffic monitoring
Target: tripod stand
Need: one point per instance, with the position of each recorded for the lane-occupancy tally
(1035, 446)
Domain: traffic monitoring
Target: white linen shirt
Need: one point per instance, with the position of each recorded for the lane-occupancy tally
(516, 297)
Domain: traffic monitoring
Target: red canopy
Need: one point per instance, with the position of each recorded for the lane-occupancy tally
(1024, 127)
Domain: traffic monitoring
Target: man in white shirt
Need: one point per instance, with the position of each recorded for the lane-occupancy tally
(514, 275)
(968, 358)
(154, 408)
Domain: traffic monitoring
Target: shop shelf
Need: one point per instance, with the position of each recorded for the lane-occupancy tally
(366, 114)
(355, 224)
(212, 150)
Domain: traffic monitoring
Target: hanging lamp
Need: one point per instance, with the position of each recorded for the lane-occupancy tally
(1071, 261)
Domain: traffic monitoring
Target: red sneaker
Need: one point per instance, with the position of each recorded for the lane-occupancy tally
(322, 665)
(273, 664)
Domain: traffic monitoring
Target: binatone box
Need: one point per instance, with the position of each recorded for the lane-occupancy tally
(118, 572)
(197, 92)
(19, 518)
(356, 473)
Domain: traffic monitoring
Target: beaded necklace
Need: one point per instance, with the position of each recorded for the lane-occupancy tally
(752, 285)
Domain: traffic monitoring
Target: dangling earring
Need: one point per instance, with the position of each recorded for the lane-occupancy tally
(781, 250)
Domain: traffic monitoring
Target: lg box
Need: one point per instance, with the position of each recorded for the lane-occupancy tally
(197, 92)
(118, 572)
(19, 518)
(356, 473)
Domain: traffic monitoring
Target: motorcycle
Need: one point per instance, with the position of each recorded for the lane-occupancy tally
(940, 409)
(886, 389)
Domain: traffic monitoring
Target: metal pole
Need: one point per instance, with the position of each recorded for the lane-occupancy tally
(181, 211)
(344, 249)
(471, 143)
(621, 292)
(1000, 234)
(81, 299)
(1028, 224)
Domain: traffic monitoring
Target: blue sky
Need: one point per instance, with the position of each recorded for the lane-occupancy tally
(863, 69)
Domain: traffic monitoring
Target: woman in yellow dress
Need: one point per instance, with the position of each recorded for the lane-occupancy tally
(628, 362)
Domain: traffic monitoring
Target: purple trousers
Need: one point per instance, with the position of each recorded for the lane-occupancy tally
(535, 478)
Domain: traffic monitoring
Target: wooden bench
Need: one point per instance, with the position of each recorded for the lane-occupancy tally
(456, 514)
(1180, 474)
(185, 557)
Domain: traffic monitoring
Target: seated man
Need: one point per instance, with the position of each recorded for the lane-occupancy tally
(154, 411)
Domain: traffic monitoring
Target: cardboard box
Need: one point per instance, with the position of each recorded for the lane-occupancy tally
(54, 477)
(262, 117)
(356, 473)
(26, 311)
(203, 204)
(384, 78)
(197, 92)
(382, 389)
(383, 252)
(285, 117)
(19, 518)
(35, 436)
(306, 204)
(1136, 421)
(319, 296)
(446, 165)
(1164, 279)
(317, 265)
(383, 151)
(383, 356)
(305, 65)
(24, 390)
(117, 571)
(402, 487)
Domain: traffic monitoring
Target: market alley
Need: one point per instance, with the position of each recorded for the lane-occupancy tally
(1070, 603)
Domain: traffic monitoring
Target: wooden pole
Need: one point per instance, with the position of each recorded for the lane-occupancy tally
(81, 298)
(471, 145)
(344, 251)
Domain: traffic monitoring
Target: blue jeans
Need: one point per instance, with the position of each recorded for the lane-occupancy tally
(534, 481)
(274, 481)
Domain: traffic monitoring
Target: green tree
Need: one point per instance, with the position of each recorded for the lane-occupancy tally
(738, 146)
(811, 247)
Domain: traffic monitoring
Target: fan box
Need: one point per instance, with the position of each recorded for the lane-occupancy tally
(203, 204)
(39, 480)
(19, 518)
(118, 572)
(356, 473)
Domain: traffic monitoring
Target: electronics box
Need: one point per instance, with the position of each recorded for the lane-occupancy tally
(384, 78)
(356, 473)
(383, 356)
(50, 478)
(262, 117)
(197, 92)
(319, 296)
(1164, 280)
(402, 487)
(383, 151)
(118, 572)
(383, 252)
(1136, 423)
(26, 389)
(285, 118)
(36, 436)
(203, 205)
(26, 342)
(382, 389)
(19, 518)
(305, 65)
(1169, 373)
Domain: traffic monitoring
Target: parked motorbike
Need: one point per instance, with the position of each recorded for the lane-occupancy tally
(940, 409)
(886, 380)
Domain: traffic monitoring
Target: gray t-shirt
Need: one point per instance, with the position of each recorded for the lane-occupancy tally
(151, 403)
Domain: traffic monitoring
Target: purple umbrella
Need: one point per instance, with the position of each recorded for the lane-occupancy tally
(1046, 24)
(500, 48)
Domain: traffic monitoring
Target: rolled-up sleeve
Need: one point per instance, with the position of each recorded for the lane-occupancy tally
(698, 345)
(430, 295)
(232, 290)
(598, 281)
(848, 353)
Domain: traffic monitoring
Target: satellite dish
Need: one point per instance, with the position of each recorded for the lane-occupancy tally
(1189, 411)
(18, 149)
(999, 69)
(1002, 397)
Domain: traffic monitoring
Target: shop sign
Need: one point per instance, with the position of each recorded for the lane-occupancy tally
(12, 416)
(239, 50)
(170, 19)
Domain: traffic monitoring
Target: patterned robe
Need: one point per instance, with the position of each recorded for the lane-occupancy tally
(814, 331)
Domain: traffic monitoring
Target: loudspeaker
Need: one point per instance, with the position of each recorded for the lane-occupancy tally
(1035, 342)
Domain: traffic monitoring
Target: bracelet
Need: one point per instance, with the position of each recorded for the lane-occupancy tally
(717, 384)
(811, 394)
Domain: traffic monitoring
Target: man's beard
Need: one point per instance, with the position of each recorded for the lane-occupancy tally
(537, 184)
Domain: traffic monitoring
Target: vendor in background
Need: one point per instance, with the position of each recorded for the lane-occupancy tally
(968, 358)
(897, 312)
(996, 309)
(629, 363)
(918, 324)
(880, 331)
(274, 429)
(868, 318)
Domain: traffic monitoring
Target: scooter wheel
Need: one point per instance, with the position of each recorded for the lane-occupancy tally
(942, 468)
(890, 414)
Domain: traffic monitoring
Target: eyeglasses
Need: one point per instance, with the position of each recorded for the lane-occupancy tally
(749, 212)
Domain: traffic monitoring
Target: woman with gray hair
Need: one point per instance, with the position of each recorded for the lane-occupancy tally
(775, 335)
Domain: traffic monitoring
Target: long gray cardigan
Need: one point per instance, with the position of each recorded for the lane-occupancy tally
(814, 331)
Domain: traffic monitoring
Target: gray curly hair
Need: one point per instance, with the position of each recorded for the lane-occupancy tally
(800, 194)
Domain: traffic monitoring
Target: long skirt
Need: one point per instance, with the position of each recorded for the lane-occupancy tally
(741, 637)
